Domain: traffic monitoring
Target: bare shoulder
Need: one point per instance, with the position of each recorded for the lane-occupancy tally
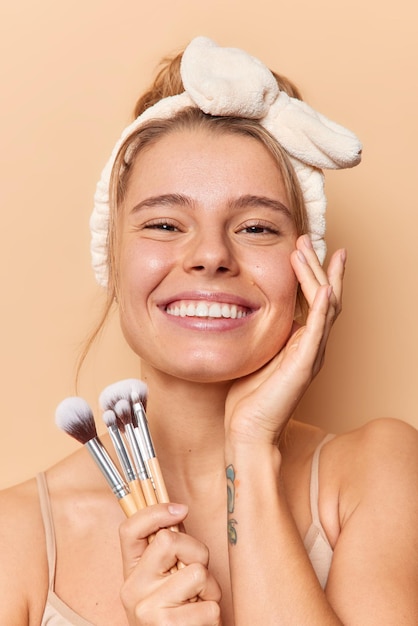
(20, 519)
(373, 465)
(23, 556)
(384, 431)
(385, 448)
(377, 460)
(374, 471)
(23, 569)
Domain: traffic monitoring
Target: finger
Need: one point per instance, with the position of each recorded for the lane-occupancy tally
(308, 339)
(169, 547)
(308, 270)
(304, 245)
(155, 567)
(335, 272)
(333, 310)
(298, 363)
(297, 360)
(329, 321)
(134, 531)
(310, 273)
(202, 613)
(151, 581)
(192, 581)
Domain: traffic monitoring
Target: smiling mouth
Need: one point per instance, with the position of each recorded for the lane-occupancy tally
(207, 309)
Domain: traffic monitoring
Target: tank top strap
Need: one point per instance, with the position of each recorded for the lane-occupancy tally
(46, 512)
(314, 482)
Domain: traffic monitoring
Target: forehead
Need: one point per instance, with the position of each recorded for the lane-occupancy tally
(196, 162)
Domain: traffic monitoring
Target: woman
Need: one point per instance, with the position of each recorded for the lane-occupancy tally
(212, 250)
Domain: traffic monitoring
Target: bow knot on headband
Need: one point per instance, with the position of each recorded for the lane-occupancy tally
(230, 82)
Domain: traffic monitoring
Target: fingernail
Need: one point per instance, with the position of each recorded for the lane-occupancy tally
(301, 256)
(307, 242)
(177, 509)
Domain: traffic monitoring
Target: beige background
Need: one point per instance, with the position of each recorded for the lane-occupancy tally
(70, 73)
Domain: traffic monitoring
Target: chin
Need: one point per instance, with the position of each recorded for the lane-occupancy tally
(212, 370)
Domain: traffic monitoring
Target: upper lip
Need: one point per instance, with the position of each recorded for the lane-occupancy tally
(209, 296)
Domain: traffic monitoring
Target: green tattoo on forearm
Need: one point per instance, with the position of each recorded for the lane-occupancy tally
(230, 485)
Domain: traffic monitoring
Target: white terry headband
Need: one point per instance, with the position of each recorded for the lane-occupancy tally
(230, 82)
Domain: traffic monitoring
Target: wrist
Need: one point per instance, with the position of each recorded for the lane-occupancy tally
(252, 455)
(239, 440)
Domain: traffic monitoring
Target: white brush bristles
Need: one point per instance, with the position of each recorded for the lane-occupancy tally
(109, 418)
(122, 391)
(74, 416)
(135, 397)
(123, 411)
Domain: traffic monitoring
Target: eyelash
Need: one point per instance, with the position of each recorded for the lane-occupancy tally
(162, 224)
(259, 229)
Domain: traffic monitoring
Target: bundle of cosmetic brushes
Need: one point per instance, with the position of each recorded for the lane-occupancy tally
(123, 404)
(141, 482)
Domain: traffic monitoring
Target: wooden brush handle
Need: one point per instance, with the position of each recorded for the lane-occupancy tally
(138, 496)
(149, 492)
(128, 505)
(157, 477)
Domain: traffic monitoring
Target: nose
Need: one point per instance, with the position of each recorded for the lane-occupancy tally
(211, 252)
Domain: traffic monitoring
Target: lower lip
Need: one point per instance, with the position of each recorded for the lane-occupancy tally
(214, 324)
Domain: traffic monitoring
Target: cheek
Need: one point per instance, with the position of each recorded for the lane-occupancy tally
(141, 268)
(277, 278)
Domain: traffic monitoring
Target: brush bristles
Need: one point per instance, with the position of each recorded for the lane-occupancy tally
(122, 391)
(136, 398)
(124, 411)
(75, 417)
(109, 418)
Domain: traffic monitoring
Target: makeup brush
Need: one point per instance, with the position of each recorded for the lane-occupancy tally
(137, 399)
(111, 421)
(122, 390)
(136, 391)
(117, 397)
(75, 417)
(111, 395)
(123, 410)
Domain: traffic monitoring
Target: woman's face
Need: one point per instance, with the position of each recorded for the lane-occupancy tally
(207, 291)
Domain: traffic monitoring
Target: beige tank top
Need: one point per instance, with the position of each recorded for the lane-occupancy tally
(57, 613)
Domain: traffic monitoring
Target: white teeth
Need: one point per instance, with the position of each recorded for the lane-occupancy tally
(215, 310)
(226, 311)
(202, 310)
(206, 309)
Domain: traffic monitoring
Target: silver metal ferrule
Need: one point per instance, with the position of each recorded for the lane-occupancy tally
(122, 452)
(107, 467)
(136, 452)
(144, 430)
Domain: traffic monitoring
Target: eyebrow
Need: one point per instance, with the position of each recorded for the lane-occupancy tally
(242, 202)
(254, 201)
(166, 199)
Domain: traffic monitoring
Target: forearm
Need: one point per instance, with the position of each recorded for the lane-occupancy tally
(272, 579)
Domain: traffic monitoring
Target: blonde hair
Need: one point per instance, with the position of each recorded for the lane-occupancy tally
(168, 83)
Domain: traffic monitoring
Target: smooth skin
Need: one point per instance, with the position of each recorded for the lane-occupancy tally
(223, 392)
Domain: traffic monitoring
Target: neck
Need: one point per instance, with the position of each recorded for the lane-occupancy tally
(187, 424)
